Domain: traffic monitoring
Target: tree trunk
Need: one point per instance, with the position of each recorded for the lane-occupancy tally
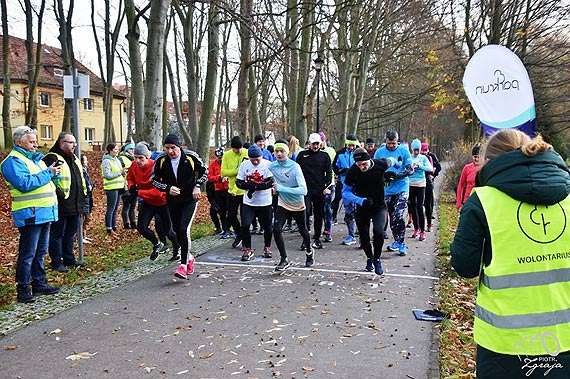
(242, 119)
(34, 65)
(203, 144)
(64, 22)
(6, 82)
(154, 71)
(136, 68)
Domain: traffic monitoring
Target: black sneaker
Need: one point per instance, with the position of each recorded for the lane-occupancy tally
(164, 248)
(24, 295)
(175, 254)
(303, 247)
(327, 237)
(44, 289)
(310, 261)
(155, 251)
(218, 231)
(282, 265)
(61, 268)
(317, 244)
(237, 242)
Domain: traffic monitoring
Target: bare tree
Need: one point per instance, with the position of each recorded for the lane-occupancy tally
(6, 73)
(33, 59)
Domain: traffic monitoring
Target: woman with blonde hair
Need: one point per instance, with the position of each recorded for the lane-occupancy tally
(512, 233)
(294, 147)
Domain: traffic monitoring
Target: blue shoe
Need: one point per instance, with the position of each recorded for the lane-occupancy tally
(377, 267)
(349, 240)
(369, 265)
(225, 235)
(402, 250)
(395, 246)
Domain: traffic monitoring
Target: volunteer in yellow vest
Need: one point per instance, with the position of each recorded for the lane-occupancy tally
(34, 208)
(71, 190)
(126, 156)
(522, 314)
(230, 166)
(114, 185)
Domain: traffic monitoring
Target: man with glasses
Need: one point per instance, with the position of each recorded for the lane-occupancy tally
(70, 190)
(34, 208)
(396, 188)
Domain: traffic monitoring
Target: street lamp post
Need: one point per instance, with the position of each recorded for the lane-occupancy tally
(318, 66)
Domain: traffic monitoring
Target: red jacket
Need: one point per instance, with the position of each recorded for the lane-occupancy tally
(215, 176)
(466, 183)
(141, 178)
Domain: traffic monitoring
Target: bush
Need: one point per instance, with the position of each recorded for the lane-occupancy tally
(459, 156)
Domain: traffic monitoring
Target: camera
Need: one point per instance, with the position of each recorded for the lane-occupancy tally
(58, 163)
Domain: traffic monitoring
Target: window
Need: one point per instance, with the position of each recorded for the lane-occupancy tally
(58, 72)
(88, 104)
(45, 99)
(46, 132)
(89, 134)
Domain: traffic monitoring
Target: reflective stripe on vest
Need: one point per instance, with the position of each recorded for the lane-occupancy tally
(40, 197)
(64, 181)
(117, 182)
(525, 292)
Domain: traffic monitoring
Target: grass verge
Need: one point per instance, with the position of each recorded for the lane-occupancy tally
(457, 294)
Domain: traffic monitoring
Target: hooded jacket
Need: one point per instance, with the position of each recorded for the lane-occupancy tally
(543, 179)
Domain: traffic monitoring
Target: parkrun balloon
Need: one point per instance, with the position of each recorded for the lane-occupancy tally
(498, 87)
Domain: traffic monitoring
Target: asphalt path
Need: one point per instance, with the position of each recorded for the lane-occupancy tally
(235, 319)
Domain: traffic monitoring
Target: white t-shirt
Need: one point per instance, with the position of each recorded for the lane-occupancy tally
(257, 174)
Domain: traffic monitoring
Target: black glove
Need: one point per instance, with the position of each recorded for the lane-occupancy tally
(267, 183)
(389, 176)
(250, 193)
(133, 190)
(342, 171)
(367, 203)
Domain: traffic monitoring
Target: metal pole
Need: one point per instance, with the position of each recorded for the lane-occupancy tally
(78, 153)
(318, 124)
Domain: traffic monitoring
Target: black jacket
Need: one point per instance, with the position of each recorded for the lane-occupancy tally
(73, 205)
(317, 170)
(192, 172)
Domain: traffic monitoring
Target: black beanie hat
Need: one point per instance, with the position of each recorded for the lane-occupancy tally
(258, 138)
(236, 142)
(172, 139)
(360, 155)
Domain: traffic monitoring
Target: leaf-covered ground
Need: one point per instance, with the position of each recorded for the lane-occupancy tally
(103, 253)
(457, 348)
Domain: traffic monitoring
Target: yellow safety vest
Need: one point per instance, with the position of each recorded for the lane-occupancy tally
(64, 182)
(43, 196)
(523, 297)
(117, 182)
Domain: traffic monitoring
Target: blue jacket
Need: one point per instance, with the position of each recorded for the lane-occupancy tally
(342, 162)
(290, 180)
(401, 183)
(17, 174)
(266, 154)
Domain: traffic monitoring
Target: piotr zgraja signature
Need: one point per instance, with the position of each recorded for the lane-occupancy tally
(547, 363)
(545, 344)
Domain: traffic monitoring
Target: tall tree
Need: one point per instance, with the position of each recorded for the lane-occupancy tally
(245, 25)
(6, 73)
(153, 96)
(65, 21)
(111, 37)
(136, 67)
(34, 60)
(205, 129)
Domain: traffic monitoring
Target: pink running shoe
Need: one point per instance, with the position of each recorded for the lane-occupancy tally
(181, 272)
(190, 266)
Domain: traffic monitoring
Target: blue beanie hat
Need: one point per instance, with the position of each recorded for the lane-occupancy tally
(416, 144)
(254, 151)
(129, 146)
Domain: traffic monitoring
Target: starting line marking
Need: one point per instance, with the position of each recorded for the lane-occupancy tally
(316, 269)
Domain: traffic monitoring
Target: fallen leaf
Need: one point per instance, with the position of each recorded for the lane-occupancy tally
(305, 368)
(276, 373)
(84, 355)
(348, 335)
(10, 347)
(206, 356)
(55, 331)
(187, 327)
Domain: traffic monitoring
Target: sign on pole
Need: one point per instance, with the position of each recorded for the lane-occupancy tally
(83, 86)
(499, 89)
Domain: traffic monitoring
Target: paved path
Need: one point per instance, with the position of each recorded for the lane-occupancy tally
(236, 319)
